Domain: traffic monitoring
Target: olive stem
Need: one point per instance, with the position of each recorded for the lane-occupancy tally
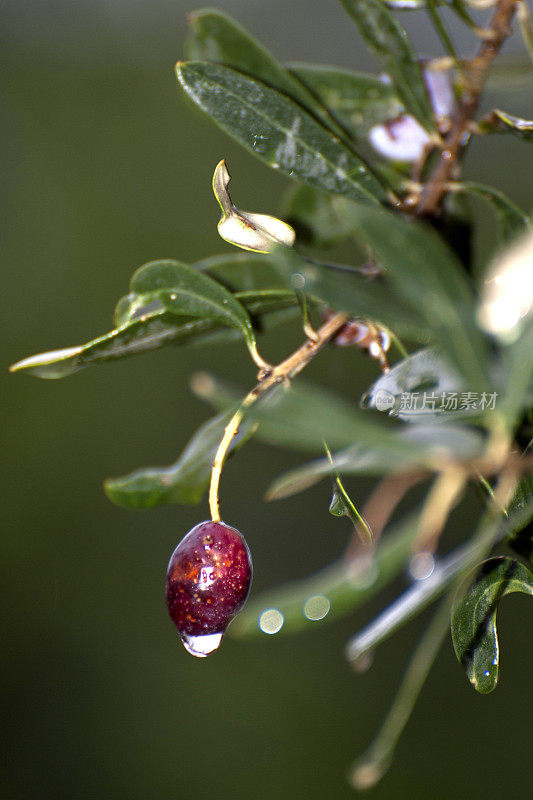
(477, 71)
(281, 373)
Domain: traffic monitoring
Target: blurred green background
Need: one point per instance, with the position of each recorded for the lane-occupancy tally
(106, 167)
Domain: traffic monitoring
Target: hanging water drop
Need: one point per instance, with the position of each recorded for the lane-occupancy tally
(202, 646)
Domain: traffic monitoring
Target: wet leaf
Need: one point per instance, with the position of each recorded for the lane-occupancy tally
(447, 571)
(216, 37)
(474, 634)
(183, 482)
(278, 131)
(423, 387)
(501, 121)
(428, 277)
(358, 101)
(342, 505)
(435, 443)
(302, 416)
(149, 331)
(512, 221)
(187, 292)
(391, 46)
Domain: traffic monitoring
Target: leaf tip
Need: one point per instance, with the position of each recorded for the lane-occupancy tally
(42, 364)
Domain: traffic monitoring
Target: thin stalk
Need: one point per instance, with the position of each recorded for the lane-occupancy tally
(476, 73)
(373, 764)
(281, 373)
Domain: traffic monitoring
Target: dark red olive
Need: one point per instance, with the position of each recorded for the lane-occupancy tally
(208, 579)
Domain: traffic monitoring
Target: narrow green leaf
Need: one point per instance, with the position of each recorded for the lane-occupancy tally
(216, 37)
(433, 443)
(358, 101)
(338, 590)
(391, 46)
(502, 122)
(474, 633)
(302, 416)
(448, 570)
(149, 332)
(183, 482)
(431, 281)
(371, 766)
(278, 131)
(185, 291)
(342, 505)
(512, 221)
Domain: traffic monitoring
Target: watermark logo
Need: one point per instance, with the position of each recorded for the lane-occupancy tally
(409, 402)
(383, 400)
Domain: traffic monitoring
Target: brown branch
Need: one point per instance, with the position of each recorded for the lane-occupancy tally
(267, 380)
(477, 71)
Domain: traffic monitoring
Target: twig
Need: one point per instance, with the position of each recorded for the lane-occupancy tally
(477, 71)
(370, 768)
(292, 365)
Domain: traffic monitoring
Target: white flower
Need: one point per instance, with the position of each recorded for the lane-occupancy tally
(258, 232)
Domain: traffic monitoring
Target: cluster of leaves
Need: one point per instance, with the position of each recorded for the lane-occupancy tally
(312, 122)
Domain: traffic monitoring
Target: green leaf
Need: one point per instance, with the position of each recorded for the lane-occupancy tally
(448, 570)
(338, 590)
(185, 291)
(303, 416)
(512, 221)
(428, 277)
(371, 766)
(149, 332)
(278, 131)
(357, 101)
(314, 218)
(433, 443)
(474, 634)
(183, 482)
(218, 38)
(350, 290)
(501, 121)
(391, 46)
(422, 388)
(342, 505)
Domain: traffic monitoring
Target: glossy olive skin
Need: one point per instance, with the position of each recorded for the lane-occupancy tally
(208, 579)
